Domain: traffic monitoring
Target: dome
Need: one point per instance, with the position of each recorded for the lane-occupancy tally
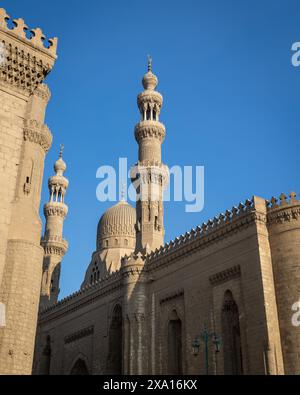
(116, 227)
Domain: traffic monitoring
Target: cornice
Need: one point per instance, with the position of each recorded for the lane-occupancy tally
(225, 275)
(79, 335)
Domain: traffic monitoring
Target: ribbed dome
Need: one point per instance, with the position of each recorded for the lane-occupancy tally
(118, 222)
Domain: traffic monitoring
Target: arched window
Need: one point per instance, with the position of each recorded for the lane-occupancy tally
(79, 368)
(106, 243)
(126, 242)
(115, 343)
(116, 242)
(174, 345)
(233, 362)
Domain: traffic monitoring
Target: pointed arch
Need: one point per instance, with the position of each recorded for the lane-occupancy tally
(79, 368)
(115, 343)
(174, 344)
(233, 361)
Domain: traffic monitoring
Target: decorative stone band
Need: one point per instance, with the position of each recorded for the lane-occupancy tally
(225, 275)
(284, 214)
(55, 208)
(126, 230)
(37, 133)
(178, 294)
(79, 335)
(153, 174)
(150, 129)
(284, 209)
(54, 246)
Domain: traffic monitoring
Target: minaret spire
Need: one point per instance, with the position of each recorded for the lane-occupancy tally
(149, 63)
(151, 175)
(54, 245)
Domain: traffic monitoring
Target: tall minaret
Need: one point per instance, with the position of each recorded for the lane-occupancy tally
(150, 176)
(54, 245)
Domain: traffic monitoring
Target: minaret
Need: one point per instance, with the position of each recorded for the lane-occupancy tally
(54, 245)
(150, 176)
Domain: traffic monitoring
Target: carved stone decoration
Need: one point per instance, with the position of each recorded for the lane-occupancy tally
(226, 275)
(79, 335)
(37, 133)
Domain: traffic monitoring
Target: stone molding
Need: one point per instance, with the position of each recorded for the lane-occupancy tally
(55, 208)
(150, 129)
(54, 245)
(177, 294)
(284, 209)
(79, 335)
(37, 133)
(225, 275)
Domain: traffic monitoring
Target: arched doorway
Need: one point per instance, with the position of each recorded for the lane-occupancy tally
(79, 368)
(174, 345)
(233, 362)
(115, 345)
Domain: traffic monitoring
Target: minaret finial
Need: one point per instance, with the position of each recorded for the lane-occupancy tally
(61, 151)
(149, 63)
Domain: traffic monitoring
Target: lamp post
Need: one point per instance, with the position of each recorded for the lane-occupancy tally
(205, 336)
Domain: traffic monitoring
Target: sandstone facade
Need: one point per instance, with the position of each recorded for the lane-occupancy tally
(140, 309)
(24, 142)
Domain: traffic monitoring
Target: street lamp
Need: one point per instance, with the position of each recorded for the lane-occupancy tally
(206, 336)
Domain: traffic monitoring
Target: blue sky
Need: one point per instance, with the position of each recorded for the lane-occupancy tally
(231, 100)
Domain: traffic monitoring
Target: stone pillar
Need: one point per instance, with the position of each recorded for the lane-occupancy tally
(135, 313)
(284, 231)
(25, 139)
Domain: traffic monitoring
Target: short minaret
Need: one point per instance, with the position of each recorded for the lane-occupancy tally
(150, 176)
(54, 245)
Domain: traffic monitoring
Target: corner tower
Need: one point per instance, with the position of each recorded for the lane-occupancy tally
(25, 61)
(54, 245)
(150, 176)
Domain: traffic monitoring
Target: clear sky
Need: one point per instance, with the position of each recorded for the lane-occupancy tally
(231, 100)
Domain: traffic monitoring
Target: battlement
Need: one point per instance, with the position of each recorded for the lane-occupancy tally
(19, 31)
(282, 201)
(208, 228)
(26, 57)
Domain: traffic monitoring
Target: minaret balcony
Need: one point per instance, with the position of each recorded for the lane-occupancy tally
(54, 245)
(150, 129)
(150, 97)
(55, 208)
